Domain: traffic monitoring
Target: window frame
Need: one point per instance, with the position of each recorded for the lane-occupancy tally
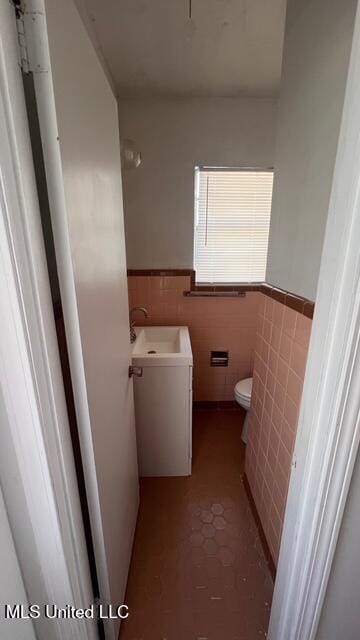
(221, 286)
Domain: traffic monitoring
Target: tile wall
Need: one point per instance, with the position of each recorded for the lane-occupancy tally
(266, 339)
(214, 323)
(280, 357)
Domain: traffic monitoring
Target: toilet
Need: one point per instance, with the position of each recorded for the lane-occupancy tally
(242, 391)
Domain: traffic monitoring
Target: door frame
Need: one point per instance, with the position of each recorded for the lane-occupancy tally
(329, 427)
(37, 471)
(328, 436)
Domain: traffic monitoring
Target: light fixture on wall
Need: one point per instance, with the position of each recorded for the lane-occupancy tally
(130, 155)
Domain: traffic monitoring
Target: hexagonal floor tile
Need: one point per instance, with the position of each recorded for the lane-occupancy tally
(198, 570)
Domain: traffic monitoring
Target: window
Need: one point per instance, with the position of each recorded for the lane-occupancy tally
(232, 218)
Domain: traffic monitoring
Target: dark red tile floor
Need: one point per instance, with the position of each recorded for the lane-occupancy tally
(198, 570)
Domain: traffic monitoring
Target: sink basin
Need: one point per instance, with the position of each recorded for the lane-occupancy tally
(162, 346)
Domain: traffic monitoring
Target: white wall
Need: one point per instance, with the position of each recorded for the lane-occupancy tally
(340, 617)
(316, 54)
(174, 136)
(12, 590)
(89, 24)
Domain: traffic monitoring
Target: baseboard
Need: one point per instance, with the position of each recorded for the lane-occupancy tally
(264, 543)
(215, 404)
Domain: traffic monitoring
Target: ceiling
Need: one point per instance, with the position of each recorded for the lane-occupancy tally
(225, 48)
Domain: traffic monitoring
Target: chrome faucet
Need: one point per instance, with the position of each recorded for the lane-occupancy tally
(132, 330)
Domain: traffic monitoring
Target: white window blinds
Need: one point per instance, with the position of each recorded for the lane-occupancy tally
(232, 218)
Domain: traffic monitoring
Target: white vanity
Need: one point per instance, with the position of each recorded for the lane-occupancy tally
(163, 360)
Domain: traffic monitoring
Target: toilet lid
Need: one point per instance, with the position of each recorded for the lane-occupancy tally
(244, 387)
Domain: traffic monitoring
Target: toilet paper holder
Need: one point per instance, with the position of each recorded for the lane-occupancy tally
(219, 359)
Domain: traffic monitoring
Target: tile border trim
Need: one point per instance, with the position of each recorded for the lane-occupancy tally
(264, 542)
(298, 303)
(160, 272)
(246, 286)
(289, 299)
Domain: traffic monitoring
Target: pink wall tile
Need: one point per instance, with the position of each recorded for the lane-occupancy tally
(273, 361)
(280, 357)
(275, 338)
(294, 387)
(265, 339)
(268, 403)
(298, 359)
(267, 328)
(269, 309)
(279, 500)
(279, 396)
(274, 442)
(272, 454)
(290, 411)
(289, 322)
(271, 384)
(288, 435)
(285, 347)
(278, 314)
(303, 330)
(214, 323)
(282, 370)
(276, 418)
(284, 458)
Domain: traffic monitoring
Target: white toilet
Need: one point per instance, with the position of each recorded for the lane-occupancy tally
(242, 391)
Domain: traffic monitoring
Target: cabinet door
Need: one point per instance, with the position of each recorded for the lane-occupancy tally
(163, 421)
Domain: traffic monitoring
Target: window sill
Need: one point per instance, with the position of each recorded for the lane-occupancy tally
(219, 289)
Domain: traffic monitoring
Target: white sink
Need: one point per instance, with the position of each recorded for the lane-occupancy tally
(162, 346)
(163, 400)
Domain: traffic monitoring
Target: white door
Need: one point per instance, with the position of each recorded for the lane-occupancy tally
(79, 131)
